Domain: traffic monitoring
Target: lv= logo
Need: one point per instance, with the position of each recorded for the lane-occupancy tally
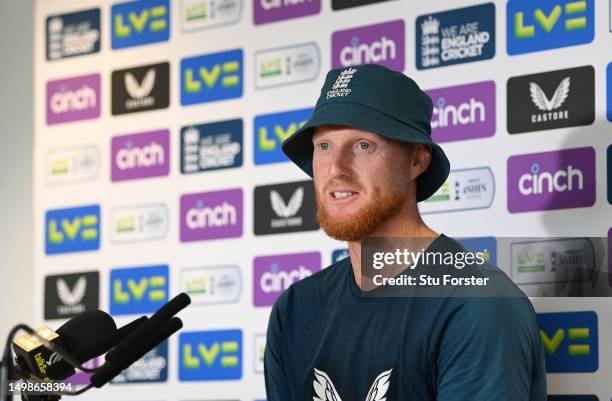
(211, 77)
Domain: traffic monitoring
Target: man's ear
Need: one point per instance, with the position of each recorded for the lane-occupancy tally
(421, 156)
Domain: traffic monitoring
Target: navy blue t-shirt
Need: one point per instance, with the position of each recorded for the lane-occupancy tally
(326, 341)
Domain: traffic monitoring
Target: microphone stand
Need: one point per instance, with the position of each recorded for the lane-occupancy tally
(7, 369)
(162, 323)
(6, 366)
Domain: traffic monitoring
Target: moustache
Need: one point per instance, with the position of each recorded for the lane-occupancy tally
(335, 184)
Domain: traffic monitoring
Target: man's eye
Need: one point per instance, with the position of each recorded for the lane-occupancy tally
(364, 145)
(324, 146)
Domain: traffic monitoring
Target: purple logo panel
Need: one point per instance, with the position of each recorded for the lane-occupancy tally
(142, 155)
(379, 44)
(211, 215)
(73, 99)
(463, 112)
(551, 180)
(265, 11)
(274, 274)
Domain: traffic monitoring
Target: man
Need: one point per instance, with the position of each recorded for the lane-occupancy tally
(369, 150)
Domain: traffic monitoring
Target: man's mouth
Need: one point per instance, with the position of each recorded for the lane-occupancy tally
(343, 196)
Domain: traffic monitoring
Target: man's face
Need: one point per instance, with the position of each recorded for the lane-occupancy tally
(361, 179)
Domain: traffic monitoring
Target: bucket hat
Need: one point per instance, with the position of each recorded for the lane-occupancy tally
(373, 98)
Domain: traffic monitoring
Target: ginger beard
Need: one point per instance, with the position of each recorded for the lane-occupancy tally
(358, 225)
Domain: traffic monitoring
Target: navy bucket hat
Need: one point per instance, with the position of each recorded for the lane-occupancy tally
(373, 98)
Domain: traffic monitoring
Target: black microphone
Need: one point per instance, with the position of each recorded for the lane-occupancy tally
(134, 341)
(145, 330)
(34, 358)
(85, 328)
(91, 349)
(122, 361)
(102, 346)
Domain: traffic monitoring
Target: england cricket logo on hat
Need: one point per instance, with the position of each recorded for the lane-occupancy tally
(340, 87)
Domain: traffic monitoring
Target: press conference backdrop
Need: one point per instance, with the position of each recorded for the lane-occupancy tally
(158, 166)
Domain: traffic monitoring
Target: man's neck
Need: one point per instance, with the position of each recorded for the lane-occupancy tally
(407, 229)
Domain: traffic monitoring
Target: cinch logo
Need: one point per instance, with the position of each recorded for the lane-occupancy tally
(73, 34)
(551, 180)
(271, 130)
(211, 146)
(72, 230)
(285, 208)
(210, 355)
(259, 349)
(67, 295)
(212, 285)
(265, 11)
(152, 367)
(609, 83)
(74, 164)
(548, 24)
(463, 112)
(570, 340)
(486, 245)
(138, 289)
(211, 215)
(556, 99)
(141, 22)
(142, 155)
(211, 77)
(455, 37)
(287, 65)
(380, 43)
(559, 181)
(202, 14)
(139, 223)
(465, 189)
(274, 274)
(141, 88)
(73, 99)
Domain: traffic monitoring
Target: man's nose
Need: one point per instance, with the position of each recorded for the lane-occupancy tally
(340, 162)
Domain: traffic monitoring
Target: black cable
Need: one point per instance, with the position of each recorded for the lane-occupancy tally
(8, 369)
(7, 361)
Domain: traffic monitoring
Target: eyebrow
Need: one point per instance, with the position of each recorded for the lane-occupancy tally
(320, 136)
(356, 139)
